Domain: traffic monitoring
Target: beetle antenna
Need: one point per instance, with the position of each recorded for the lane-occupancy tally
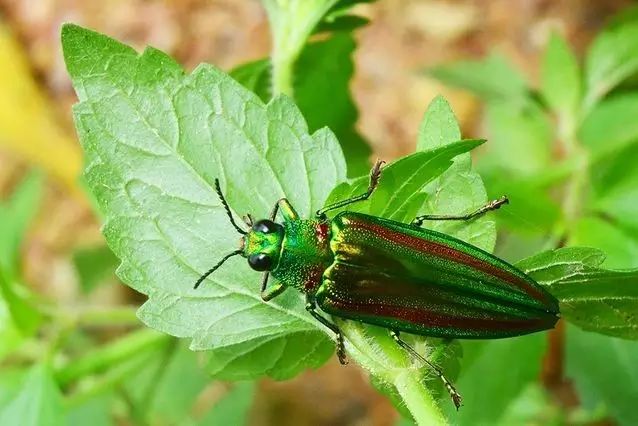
(214, 268)
(230, 215)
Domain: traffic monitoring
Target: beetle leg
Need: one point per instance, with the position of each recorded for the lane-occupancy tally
(456, 397)
(311, 307)
(492, 205)
(287, 210)
(270, 292)
(375, 174)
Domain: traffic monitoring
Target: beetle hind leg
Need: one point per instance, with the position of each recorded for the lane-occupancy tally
(492, 205)
(311, 307)
(456, 397)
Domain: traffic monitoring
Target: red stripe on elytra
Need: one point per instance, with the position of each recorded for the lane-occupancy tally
(431, 319)
(445, 252)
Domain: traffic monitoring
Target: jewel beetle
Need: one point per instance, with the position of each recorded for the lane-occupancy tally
(396, 275)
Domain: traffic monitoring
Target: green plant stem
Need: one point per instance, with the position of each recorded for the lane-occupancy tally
(113, 353)
(282, 74)
(108, 381)
(376, 351)
(418, 400)
(291, 23)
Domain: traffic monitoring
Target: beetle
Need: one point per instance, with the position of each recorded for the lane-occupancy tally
(400, 276)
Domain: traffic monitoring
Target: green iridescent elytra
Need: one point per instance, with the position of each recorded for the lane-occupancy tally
(394, 275)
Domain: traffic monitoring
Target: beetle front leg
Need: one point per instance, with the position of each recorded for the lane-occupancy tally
(311, 307)
(492, 205)
(375, 175)
(287, 210)
(456, 397)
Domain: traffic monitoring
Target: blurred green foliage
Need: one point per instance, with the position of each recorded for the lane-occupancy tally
(564, 152)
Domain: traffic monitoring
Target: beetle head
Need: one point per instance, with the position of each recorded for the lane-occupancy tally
(262, 245)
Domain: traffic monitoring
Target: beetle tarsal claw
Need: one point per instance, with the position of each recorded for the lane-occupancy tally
(341, 350)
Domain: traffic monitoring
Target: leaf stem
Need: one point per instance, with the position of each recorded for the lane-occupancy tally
(374, 350)
(418, 399)
(113, 353)
(109, 380)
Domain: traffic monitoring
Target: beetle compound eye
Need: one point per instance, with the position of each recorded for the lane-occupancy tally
(260, 262)
(265, 226)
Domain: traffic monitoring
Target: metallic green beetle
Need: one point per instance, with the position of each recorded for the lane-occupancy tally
(394, 275)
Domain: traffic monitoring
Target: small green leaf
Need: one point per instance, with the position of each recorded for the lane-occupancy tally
(560, 78)
(611, 125)
(10, 334)
(254, 76)
(439, 126)
(604, 370)
(155, 139)
(402, 180)
(181, 371)
(493, 374)
(492, 78)
(38, 402)
(233, 408)
(16, 215)
(459, 189)
(322, 78)
(615, 187)
(620, 248)
(611, 59)
(520, 137)
(94, 265)
(322, 92)
(531, 211)
(593, 298)
(95, 411)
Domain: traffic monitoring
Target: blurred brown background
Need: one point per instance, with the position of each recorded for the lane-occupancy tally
(391, 94)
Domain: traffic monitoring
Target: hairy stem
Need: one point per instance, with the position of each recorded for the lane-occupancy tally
(374, 349)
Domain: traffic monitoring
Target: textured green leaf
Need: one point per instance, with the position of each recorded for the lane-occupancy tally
(611, 125)
(37, 403)
(595, 299)
(459, 189)
(604, 369)
(402, 181)
(560, 77)
(492, 78)
(493, 374)
(232, 408)
(610, 60)
(322, 78)
(155, 139)
(520, 137)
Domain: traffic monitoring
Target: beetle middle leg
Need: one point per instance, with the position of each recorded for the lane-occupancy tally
(375, 174)
(311, 307)
(492, 205)
(456, 397)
